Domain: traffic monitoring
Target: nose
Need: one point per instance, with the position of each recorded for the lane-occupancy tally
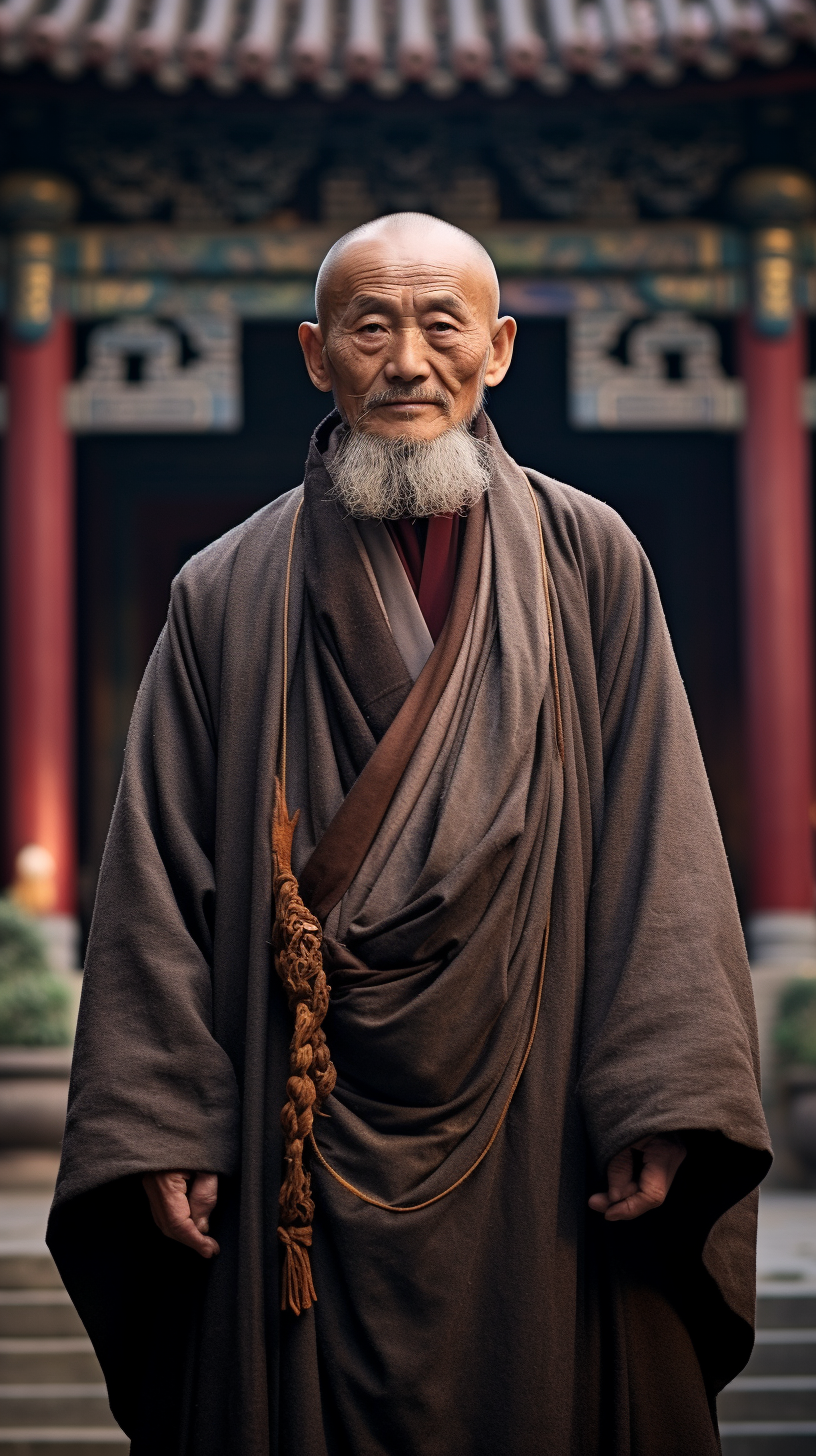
(407, 363)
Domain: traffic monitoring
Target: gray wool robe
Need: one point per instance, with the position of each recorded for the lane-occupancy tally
(505, 1316)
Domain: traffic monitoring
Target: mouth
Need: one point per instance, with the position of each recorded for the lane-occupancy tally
(409, 404)
(403, 407)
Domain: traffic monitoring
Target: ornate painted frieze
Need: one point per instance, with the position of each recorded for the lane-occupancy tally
(678, 247)
(197, 170)
(194, 168)
(707, 293)
(516, 248)
(578, 165)
(252, 298)
(206, 253)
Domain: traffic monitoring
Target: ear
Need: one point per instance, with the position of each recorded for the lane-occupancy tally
(311, 342)
(501, 351)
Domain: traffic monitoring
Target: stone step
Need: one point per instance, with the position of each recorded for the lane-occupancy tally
(62, 1441)
(37, 1312)
(770, 1409)
(786, 1311)
(62, 1403)
(769, 1398)
(24, 1270)
(53, 1359)
(765, 1438)
(783, 1352)
(53, 1400)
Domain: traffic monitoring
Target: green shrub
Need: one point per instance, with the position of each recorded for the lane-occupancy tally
(33, 1003)
(795, 1032)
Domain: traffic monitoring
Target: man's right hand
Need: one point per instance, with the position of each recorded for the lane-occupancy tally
(181, 1204)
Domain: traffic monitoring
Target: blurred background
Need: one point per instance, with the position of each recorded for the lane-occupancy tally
(171, 175)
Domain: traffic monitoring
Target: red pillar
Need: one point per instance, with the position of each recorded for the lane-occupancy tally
(38, 556)
(776, 568)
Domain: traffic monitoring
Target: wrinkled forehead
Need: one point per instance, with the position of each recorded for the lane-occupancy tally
(411, 272)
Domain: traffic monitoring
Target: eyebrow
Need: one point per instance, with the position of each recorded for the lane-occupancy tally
(446, 303)
(368, 303)
(373, 303)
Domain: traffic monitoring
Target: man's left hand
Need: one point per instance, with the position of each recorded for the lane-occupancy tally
(629, 1196)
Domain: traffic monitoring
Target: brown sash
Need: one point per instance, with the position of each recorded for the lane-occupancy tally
(348, 838)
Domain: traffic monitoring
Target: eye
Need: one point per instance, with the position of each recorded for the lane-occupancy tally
(372, 329)
(441, 327)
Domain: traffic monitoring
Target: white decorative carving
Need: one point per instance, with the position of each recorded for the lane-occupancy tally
(606, 394)
(168, 395)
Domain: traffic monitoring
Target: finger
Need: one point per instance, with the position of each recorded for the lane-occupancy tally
(202, 1195)
(661, 1159)
(620, 1176)
(184, 1231)
(167, 1194)
(162, 1190)
(633, 1206)
(600, 1202)
(655, 1182)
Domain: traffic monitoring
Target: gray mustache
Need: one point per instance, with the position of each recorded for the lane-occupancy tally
(395, 396)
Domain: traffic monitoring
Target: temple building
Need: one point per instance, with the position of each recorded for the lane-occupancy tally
(171, 176)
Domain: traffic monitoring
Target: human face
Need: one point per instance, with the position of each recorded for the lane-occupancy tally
(411, 336)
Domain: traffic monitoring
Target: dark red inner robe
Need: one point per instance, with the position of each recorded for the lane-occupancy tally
(429, 552)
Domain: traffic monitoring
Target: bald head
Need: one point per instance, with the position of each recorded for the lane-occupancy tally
(402, 242)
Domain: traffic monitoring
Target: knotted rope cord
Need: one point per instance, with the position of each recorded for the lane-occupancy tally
(298, 1289)
(296, 943)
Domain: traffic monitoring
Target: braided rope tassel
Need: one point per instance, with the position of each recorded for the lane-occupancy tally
(296, 944)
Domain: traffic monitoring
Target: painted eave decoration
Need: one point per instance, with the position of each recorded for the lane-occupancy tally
(389, 44)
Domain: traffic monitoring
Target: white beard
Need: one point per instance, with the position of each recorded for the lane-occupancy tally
(385, 479)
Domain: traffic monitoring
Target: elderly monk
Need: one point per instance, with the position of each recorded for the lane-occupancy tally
(416, 991)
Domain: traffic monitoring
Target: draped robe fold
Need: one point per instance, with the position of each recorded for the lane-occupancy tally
(505, 1316)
